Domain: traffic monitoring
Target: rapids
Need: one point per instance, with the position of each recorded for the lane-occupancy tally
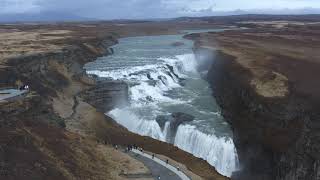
(164, 79)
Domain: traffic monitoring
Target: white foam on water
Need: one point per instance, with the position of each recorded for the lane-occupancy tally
(122, 73)
(166, 129)
(189, 62)
(142, 88)
(182, 64)
(136, 124)
(219, 152)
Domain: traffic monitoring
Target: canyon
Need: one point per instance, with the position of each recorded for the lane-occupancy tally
(60, 125)
(263, 77)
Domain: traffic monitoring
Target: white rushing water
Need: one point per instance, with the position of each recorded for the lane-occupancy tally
(219, 152)
(162, 80)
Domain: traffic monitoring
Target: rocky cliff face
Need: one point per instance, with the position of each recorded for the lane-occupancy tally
(49, 72)
(275, 119)
(34, 142)
(107, 94)
(276, 137)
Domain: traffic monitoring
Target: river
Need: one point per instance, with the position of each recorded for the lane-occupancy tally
(164, 79)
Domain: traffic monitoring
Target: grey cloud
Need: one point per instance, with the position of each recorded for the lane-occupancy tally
(108, 8)
(133, 9)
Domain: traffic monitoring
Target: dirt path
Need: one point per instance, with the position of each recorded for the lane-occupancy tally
(7, 94)
(159, 167)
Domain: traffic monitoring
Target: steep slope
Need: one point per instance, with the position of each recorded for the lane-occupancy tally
(265, 81)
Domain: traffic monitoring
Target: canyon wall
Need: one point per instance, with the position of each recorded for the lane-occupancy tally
(271, 102)
(276, 138)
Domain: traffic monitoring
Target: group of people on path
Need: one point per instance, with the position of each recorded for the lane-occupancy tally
(24, 87)
(134, 146)
(131, 147)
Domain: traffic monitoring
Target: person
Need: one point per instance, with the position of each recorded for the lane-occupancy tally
(24, 87)
(152, 156)
(178, 168)
(167, 161)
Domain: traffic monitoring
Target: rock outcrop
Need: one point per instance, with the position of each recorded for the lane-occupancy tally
(107, 95)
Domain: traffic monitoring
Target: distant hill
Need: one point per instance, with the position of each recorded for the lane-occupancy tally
(41, 17)
(68, 17)
(253, 17)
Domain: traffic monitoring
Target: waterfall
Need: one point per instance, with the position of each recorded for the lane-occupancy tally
(160, 87)
(219, 152)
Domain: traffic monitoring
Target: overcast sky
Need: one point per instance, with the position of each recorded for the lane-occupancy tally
(114, 9)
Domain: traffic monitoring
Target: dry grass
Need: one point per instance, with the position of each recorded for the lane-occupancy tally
(274, 56)
(16, 43)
